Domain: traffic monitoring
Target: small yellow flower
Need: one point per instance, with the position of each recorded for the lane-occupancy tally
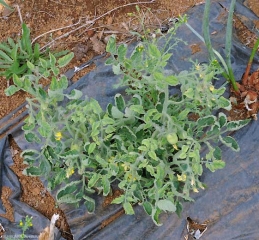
(212, 88)
(181, 178)
(30, 224)
(132, 178)
(111, 159)
(175, 147)
(58, 136)
(140, 48)
(195, 190)
(70, 171)
(21, 223)
(125, 167)
(197, 67)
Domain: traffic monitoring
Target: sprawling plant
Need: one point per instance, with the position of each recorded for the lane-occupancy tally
(148, 146)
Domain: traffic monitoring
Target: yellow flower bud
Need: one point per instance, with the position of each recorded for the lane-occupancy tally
(197, 67)
(58, 136)
(70, 171)
(212, 88)
(125, 167)
(181, 178)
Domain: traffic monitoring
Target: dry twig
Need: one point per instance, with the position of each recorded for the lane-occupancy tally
(19, 13)
(57, 29)
(88, 24)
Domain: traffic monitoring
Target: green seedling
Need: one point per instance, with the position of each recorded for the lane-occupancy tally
(24, 225)
(14, 55)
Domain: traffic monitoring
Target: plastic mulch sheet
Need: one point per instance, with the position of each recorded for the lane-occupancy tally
(231, 201)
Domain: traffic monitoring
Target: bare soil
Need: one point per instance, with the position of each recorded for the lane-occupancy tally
(82, 27)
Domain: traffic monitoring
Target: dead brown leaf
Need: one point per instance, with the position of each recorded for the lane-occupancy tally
(98, 46)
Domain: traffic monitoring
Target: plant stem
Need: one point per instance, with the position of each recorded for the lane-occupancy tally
(166, 102)
(205, 30)
(228, 44)
(249, 64)
(228, 74)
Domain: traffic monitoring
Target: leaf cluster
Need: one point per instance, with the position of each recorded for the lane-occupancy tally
(149, 146)
(14, 55)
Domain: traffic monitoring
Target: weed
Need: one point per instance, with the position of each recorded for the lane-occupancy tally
(14, 56)
(24, 225)
(149, 145)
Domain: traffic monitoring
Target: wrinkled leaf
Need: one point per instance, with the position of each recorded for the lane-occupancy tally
(166, 205)
(106, 186)
(118, 200)
(147, 207)
(11, 90)
(230, 142)
(111, 45)
(91, 147)
(128, 208)
(63, 61)
(32, 171)
(119, 101)
(89, 203)
(206, 121)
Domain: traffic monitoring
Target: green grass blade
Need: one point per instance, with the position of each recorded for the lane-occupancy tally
(5, 4)
(5, 47)
(26, 40)
(11, 42)
(228, 43)
(205, 30)
(5, 57)
(249, 64)
(254, 50)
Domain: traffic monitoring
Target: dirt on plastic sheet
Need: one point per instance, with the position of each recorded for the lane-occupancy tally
(253, 5)
(35, 194)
